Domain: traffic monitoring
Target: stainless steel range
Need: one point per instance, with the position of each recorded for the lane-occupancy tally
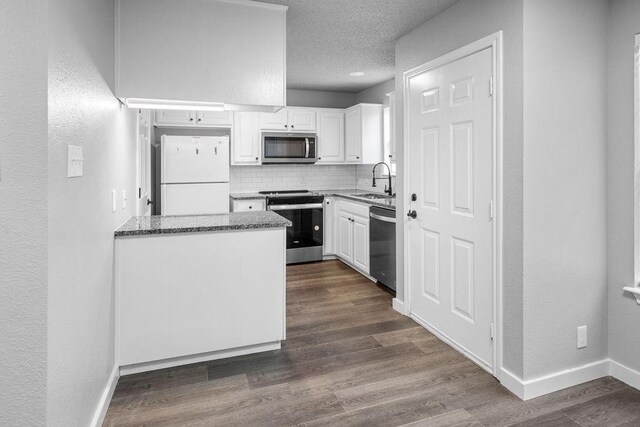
(304, 209)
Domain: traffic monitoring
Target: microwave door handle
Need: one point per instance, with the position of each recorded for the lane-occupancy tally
(306, 156)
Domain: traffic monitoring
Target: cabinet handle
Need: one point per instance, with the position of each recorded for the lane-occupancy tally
(319, 158)
(358, 157)
(190, 119)
(291, 126)
(199, 119)
(256, 158)
(250, 207)
(286, 126)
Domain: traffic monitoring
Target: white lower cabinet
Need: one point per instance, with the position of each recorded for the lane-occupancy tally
(352, 234)
(248, 205)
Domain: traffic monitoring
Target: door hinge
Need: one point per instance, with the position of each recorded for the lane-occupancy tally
(491, 210)
(492, 331)
(491, 86)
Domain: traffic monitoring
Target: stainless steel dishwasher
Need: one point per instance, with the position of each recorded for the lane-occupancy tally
(382, 245)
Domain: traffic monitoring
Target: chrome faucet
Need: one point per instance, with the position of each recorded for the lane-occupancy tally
(386, 190)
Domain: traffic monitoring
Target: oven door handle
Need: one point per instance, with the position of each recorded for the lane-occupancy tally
(306, 155)
(382, 218)
(292, 207)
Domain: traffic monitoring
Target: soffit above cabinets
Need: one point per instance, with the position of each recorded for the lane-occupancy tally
(228, 54)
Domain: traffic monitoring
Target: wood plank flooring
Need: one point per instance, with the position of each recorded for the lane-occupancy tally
(350, 360)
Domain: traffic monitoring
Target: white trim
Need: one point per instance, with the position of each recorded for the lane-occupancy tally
(399, 306)
(571, 377)
(512, 382)
(636, 163)
(566, 378)
(493, 41)
(204, 357)
(530, 389)
(447, 340)
(625, 374)
(105, 398)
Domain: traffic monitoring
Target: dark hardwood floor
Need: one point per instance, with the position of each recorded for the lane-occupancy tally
(349, 359)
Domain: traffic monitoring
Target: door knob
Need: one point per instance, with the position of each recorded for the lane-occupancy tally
(149, 202)
(412, 214)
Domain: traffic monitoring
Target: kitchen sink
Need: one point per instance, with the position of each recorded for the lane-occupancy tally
(374, 196)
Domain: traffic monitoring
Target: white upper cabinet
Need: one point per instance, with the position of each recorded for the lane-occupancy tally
(302, 120)
(245, 141)
(175, 117)
(211, 51)
(289, 119)
(274, 121)
(194, 118)
(214, 118)
(363, 129)
(331, 136)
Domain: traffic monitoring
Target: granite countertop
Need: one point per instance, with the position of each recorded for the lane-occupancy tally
(145, 225)
(246, 196)
(352, 194)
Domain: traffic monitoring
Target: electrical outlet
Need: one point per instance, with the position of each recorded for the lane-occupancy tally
(124, 199)
(114, 201)
(582, 336)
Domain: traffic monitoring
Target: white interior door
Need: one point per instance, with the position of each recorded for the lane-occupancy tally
(450, 142)
(143, 199)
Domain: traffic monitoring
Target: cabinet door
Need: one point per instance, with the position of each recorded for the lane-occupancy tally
(345, 237)
(330, 137)
(329, 220)
(214, 118)
(175, 117)
(353, 131)
(274, 121)
(361, 243)
(301, 120)
(246, 139)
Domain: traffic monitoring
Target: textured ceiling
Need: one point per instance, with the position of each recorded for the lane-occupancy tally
(328, 39)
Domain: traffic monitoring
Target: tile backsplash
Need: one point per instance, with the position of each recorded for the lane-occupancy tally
(245, 179)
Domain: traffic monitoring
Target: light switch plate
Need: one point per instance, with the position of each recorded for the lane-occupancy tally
(75, 161)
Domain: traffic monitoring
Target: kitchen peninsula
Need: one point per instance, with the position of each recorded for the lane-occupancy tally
(183, 294)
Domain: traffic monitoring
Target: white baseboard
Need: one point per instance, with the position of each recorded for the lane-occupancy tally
(625, 374)
(204, 357)
(399, 306)
(546, 384)
(105, 399)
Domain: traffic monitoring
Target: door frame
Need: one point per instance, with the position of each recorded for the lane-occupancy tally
(142, 208)
(493, 41)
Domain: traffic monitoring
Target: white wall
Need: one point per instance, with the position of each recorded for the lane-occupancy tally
(461, 24)
(565, 53)
(320, 98)
(624, 312)
(23, 215)
(376, 94)
(84, 112)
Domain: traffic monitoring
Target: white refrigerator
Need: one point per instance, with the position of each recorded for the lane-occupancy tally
(194, 177)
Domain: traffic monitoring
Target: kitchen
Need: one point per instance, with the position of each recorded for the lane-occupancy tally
(289, 212)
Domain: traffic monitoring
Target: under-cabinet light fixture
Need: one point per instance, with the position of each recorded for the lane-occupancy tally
(356, 74)
(159, 104)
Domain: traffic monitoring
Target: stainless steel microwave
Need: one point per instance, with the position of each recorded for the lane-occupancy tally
(284, 147)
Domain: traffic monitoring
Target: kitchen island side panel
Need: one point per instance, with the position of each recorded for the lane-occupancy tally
(186, 294)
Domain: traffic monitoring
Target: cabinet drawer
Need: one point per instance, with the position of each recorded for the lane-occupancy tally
(248, 205)
(354, 208)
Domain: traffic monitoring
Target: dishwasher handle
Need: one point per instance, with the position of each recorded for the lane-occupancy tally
(382, 218)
